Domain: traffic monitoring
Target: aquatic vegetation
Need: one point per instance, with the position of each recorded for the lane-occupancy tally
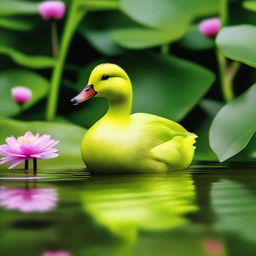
(27, 147)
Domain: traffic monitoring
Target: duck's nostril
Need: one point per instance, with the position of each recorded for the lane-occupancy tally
(74, 101)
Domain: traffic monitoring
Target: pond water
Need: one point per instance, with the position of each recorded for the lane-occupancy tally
(207, 210)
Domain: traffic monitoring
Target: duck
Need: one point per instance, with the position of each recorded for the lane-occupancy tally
(121, 142)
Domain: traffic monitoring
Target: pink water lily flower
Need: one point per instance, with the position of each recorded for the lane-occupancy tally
(52, 10)
(28, 200)
(210, 27)
(56, 253)
(21, 95)
(26, 147)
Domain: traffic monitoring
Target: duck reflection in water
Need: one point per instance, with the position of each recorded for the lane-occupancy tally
(125, 204)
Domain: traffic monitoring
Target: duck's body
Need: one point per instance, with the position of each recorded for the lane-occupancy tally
(120, 142)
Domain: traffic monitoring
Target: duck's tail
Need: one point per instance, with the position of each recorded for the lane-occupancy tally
(178, 152)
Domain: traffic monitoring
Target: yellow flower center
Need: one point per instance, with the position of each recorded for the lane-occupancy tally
(26, 139)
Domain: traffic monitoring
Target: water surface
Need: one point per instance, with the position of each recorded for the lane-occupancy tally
(207, 210)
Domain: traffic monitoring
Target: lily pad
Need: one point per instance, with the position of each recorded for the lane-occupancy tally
(11, 78)
(69, 135)
(243, 125)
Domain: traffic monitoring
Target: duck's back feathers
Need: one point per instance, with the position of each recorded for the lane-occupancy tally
(175, 146)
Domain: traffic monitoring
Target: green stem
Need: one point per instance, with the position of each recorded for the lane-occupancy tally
(73, 19)
(26, 165)
(165, 49)
(224, 12)
(226, 73)
(55, 50)
(35, 167)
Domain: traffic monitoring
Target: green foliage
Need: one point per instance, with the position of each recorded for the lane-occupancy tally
(234, 125)
(140, 38)
(194, 40)
(36, 62)
(11, 7)
(250, 5)
(167, 14)
(15, 24)
(11, 78)
(238, 43)
(69, 135)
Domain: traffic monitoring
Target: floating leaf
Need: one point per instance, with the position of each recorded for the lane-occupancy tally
(36, 62)
(238, 43)
(243, 125)
(69, 135)
(12, 78)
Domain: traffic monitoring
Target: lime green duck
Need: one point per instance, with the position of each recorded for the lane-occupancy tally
(121, 142)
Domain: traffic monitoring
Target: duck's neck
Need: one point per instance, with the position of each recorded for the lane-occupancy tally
(119, 110)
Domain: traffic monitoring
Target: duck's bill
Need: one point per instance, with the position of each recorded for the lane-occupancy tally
(87, 93)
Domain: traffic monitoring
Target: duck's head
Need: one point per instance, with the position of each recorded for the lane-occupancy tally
(106, 80)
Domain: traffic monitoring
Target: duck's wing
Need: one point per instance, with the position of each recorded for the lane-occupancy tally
(157, 122)
(175, 146)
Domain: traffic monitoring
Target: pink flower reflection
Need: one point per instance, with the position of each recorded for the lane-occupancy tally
(212, 246)
(56, 253)
(28, 200)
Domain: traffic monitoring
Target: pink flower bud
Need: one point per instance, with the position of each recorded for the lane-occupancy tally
(21, 94)
(210, 27)
(52, 10)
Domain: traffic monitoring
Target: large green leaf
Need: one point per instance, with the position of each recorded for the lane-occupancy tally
(163, 85)
(10, 7)
(250, 5)
(12, 78)
(97, 28)
(168, 14)
(207, 7)
(238, 43)
(195, 40)
(102, 41)
(139, 37)
(234, 125)
(69, 135)
(203, 151)
(36, 62)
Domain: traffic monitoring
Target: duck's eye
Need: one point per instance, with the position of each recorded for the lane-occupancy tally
(105, 77)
